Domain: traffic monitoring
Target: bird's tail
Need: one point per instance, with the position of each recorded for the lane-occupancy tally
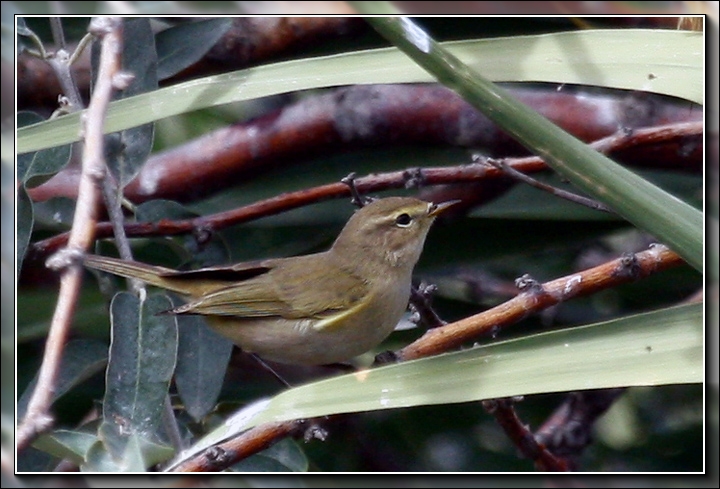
(150, 274)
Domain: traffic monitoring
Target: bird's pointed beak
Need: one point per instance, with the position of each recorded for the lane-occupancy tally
(436, 209)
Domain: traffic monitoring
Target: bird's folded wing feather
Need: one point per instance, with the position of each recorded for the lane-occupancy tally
(222, 273)
(300, 291)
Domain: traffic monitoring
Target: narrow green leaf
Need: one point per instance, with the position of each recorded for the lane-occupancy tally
(672, 221)
(183, 45)
(26, 118)
(67, 444)
(203, 356)
(37, 167)
(142, 359)
(99, 459)
(138, 455)
(610, 58)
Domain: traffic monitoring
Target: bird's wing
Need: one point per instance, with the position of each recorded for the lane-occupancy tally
(221, 273)
(288, 288)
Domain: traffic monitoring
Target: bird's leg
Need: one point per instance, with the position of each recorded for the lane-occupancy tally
(267, 367)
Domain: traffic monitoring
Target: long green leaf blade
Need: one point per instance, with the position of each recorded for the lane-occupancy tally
(601, 58)
(659, 347)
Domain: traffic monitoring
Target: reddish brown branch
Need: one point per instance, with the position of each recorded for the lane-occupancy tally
(537, 297)
(251, 40)
(285, 202)
(523, 438)
(394, 114)
(372, 183)
(223, 455)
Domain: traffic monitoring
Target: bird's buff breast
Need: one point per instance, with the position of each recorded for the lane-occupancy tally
(302, 342)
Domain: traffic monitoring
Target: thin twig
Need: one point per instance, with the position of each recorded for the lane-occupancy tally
(82, 234)
(266, 366)
(41, 52)
(223, 157)
(57, 32)
(112, 204)
(61, 63)
(369, 183)
(558, 192)
(568, 430)
(420, 299)
(75, 56)
(523, 438)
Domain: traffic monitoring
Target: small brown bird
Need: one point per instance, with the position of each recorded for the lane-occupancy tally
(315, 309)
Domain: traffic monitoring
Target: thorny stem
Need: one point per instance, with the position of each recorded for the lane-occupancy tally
(221, 456)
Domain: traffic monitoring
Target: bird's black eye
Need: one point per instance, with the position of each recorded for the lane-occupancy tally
(403, 220)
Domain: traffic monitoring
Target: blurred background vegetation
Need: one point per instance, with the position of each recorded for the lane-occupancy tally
(505, 231)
